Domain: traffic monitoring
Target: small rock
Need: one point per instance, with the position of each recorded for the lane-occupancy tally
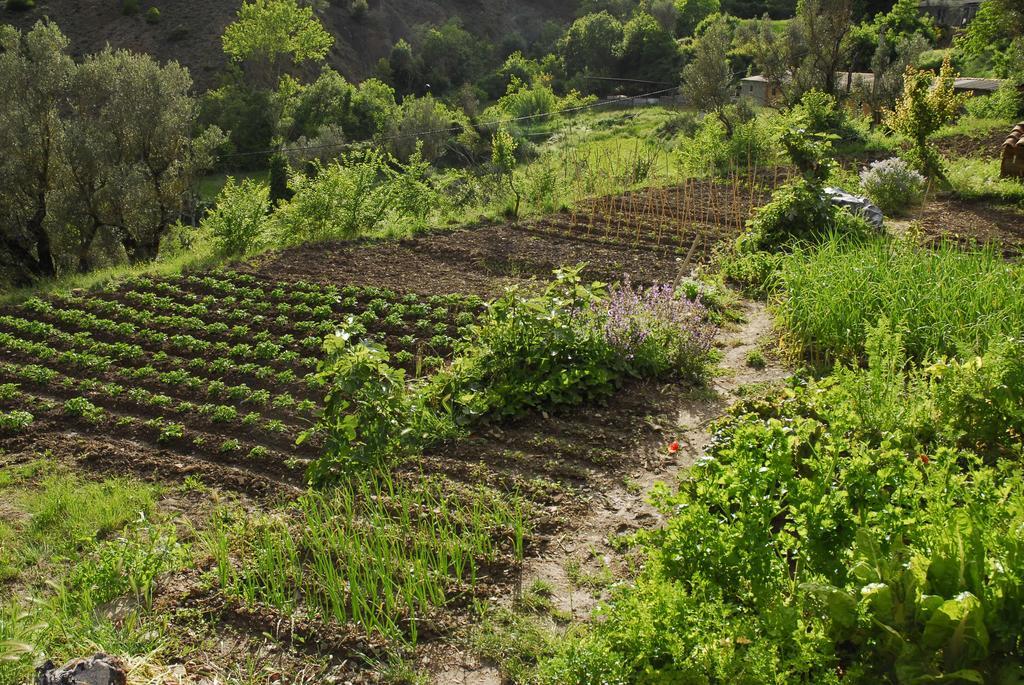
(98, 670)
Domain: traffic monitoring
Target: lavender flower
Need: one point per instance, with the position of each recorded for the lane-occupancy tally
(657, 329)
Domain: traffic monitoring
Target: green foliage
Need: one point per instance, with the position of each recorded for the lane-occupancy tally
(1006, 103)
(503, 159)
(648, 50)
(268, 31)
(590, 45)
(712, 152)
(690, 13)
(813, 534)
(153, 15)
(367, 414)
(239, 219)
(74, 131)
(945, 300)
(341, 200)
(15, 420)
(928, 103)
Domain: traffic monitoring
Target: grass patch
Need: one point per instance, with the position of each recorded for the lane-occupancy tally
(944, 300)
(978, 179)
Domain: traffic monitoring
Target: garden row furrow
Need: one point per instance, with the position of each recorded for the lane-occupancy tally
(215, 443)
(106, 390)
(220, 376)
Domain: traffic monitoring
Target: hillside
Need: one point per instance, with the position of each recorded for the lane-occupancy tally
(190, 31)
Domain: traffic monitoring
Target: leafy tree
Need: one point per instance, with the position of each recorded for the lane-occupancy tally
(402, 67)
(904, 20)
(448, 56)
(927, 104)
(130, 154)
(270, 34)
(590, 44)
(35, 73)
(824, 26)
(423, 124)
(328, 100)
(648, 51)
(888, 65)
(98, 152)
(996, 36)
(809, 52)
(708, 80)
(690, 13)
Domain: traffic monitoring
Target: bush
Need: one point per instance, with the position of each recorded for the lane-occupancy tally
(20, 5)
(574, 343)
(892, 185)
(239, 220)
(340, 200)
(818, 112)
(1006, 103)
(711, 153)
(153, 15)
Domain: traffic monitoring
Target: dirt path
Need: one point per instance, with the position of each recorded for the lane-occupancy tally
(579, 565)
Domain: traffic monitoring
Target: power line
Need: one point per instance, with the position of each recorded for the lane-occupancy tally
(453, 129)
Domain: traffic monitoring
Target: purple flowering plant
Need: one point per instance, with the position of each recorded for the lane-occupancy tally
(657, 330)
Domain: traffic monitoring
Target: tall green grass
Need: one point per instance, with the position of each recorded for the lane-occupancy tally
(379, 552)
(943, 299)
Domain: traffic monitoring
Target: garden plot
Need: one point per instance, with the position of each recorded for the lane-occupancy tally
(219, 368)
(688, 219)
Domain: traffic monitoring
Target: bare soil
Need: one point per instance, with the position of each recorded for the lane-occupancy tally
(970, 223)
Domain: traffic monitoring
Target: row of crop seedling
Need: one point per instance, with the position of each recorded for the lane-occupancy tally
(94, 355)
(396, 309)
(240, 335)
(98, 402)
(381, 552)
(311, 295)
(265, 351)
(240, 393)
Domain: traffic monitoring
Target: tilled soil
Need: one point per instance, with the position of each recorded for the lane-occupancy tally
(482, 260)
(973, 224)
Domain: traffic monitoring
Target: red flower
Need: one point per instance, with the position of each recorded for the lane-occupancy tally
(674, 447)
(924, 458)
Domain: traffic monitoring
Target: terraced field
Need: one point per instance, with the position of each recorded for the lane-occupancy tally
(219, 368)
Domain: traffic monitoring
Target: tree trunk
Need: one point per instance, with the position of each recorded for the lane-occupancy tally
(44, 266)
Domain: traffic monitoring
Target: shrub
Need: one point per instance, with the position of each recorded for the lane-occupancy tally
(800, 211)
(892, 185)
(340, 200)
(710, 152)
(20, 5)
(1006, 103)
(240, 216)
(153, 15)
(367, 412)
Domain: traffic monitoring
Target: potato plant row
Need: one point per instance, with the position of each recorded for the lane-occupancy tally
(219, 366)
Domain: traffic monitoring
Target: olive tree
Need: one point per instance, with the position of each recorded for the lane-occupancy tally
(102, 152)
(34, 76)
(708, 81)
